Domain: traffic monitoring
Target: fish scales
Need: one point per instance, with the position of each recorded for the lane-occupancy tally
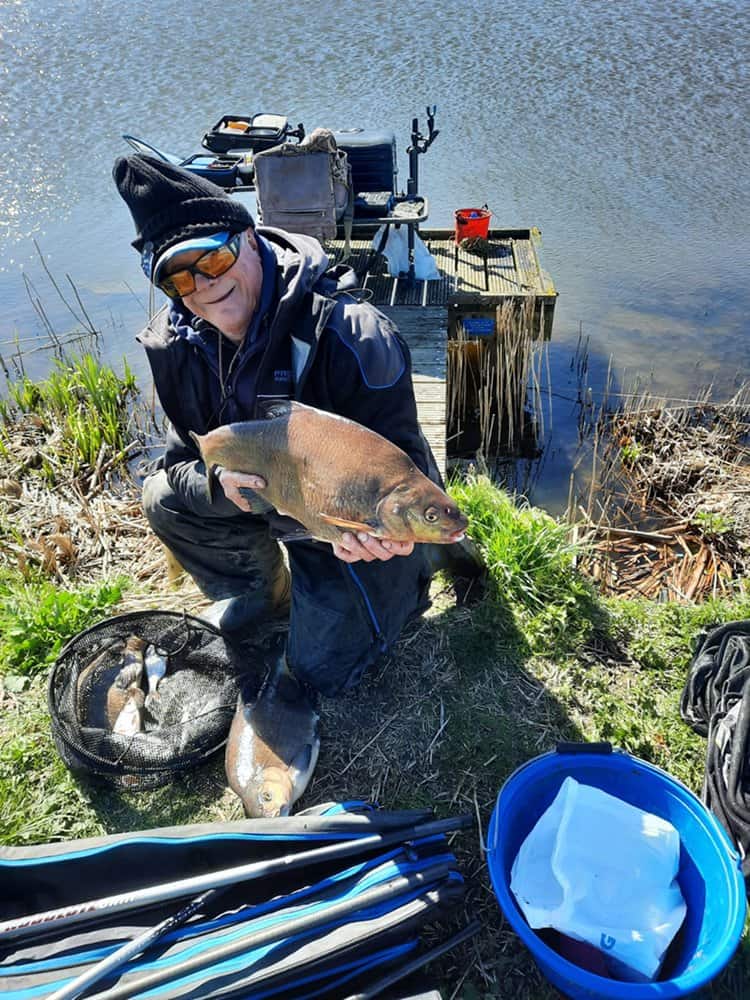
(332, 474)
(272, 747)
(313, 461)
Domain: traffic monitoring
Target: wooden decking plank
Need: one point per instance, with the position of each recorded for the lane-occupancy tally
(512, 268)
(426, 332)
(421, 309)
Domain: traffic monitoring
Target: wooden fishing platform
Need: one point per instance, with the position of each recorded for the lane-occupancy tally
(469, 291)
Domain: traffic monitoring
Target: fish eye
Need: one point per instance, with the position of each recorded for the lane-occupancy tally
(431, 515)
(266, 796)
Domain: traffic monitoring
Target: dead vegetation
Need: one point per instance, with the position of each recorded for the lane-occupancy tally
(80, 528)
(673, 500)
(494, 382)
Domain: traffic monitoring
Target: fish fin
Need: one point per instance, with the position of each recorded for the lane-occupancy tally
(340, 522)
(211, 479)
(258, 504)
(130, 675)
(271, 408)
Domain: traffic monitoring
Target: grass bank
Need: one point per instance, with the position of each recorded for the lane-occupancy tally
(469, 693)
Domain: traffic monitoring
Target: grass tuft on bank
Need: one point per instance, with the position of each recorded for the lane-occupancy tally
(38, 616)
(84, 401)
(531, 563)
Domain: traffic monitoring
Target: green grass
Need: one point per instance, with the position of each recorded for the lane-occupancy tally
(40, 801)
(531, 564)
(82, 398)
(470, 695)
(37, 618)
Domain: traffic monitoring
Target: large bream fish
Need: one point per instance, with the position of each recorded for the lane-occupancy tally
(272, 747)
(332, 475)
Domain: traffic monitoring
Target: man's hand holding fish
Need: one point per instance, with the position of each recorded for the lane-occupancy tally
(294, 468)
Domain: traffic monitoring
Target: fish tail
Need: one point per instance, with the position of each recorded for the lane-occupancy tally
(212, 480)
(210, 469)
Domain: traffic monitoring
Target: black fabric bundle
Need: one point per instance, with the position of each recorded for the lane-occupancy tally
(716, 704)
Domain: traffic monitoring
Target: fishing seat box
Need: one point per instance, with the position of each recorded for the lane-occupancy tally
(260, 132)
(372, 158)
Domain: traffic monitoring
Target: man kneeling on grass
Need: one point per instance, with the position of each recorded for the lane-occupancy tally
(252, 314)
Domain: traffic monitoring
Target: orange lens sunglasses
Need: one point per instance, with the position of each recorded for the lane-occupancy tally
(211, 265)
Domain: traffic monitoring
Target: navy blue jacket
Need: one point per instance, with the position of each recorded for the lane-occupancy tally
(314, 343)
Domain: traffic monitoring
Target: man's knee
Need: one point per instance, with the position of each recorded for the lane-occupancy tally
(156, 493)
(344, 619)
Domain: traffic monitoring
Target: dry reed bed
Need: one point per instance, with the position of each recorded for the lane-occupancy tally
(494, 382)
(82, 528)
(682, 530)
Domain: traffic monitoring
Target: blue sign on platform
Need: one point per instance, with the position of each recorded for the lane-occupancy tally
(479, 326)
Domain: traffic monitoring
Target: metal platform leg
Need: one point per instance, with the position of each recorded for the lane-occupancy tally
(410, 243)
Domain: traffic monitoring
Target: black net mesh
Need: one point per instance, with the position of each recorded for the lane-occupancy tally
(184, 722)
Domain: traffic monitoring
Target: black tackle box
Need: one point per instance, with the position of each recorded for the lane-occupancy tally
(243, 132)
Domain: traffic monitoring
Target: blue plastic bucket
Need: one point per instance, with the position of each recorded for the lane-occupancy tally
(709, 875)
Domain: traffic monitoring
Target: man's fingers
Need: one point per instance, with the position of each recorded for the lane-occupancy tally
(241, 480)
(364, 547)
(385, 548)
(374, 547)
(349, 549)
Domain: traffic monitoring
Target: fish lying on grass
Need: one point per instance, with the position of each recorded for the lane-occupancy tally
(334, 475)
(269, 781)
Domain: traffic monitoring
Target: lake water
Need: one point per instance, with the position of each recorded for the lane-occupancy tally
(620, 130)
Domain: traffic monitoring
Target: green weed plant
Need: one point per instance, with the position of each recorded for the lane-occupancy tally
(86, 399)
(530, 562)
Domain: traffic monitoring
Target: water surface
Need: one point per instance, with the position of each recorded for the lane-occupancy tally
(621, 131)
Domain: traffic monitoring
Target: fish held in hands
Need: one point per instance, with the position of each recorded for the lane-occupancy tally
(273, 747)
(333, 475)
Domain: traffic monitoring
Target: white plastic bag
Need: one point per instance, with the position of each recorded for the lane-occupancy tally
(603, 871)
(396, 252)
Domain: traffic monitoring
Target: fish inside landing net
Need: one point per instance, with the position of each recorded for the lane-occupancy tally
(125, 684)
(333, 475)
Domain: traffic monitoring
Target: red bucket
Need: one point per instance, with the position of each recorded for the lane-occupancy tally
(472, 222)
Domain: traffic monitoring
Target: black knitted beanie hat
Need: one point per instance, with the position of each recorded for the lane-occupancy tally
(170, 204)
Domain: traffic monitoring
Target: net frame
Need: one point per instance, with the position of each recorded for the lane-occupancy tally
(203, 664)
